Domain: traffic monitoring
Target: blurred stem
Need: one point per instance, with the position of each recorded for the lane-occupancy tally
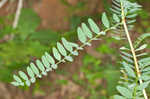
(2, 3)
(18, 12)
(132, 50)
(16, 19)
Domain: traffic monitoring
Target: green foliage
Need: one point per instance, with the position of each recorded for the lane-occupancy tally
(132, 60)
(94, 70)
(106, 21)
(124, 92)
(130, 9)
(65, 50)
(39, 68)
(116, 18)
(26, 45)
(140, 39)
(27, 42)
(49, 37)
(93, 26)
(26, 27)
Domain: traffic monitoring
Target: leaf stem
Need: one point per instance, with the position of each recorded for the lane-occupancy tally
(132, 50)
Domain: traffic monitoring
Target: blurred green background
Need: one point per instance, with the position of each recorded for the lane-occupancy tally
(93, 74)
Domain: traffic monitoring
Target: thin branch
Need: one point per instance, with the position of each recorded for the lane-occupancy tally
(16, 20)
(18, 12)
(2, 3)
(133, 51)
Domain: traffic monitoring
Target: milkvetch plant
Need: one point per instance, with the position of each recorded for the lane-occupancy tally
(135, 69)
(63, 52)
(135, 64)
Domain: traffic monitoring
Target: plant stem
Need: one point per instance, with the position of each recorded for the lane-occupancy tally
(18, 12)
(2, 3)
(132, 50)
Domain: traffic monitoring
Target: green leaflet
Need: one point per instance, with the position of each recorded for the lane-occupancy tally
(69, 58)
(33, 80)
(127, 59)
(28, 83)
(125, 63)
(116, 8)
(124, 91)
(115, 11)
(56, 54)
(116, 18)
(146, 73)
(132, 11)
(145, 77)
(146, 69)
(54, 66)
(16, 83)
(49, 58)
(75, 53)
(25, 77)
(61, 49)
(144, 60)
(17, 79)
(141, 47)
(93, 26)
(142, 54)
(132, 16)
(86, 30)
(127, 54)
(143, 85)
(124, 48)
(67, 45)
(129, 70)
(46, 64)
(31, 74)
(35, 70)
(75, 45)
(131, 21)
(140, 39)
(41, 67)
(81, 35)
(105, 20)
(116, 37)
(116, 2)
(118, 97)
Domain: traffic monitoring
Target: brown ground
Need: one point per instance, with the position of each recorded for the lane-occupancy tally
(55, 15)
